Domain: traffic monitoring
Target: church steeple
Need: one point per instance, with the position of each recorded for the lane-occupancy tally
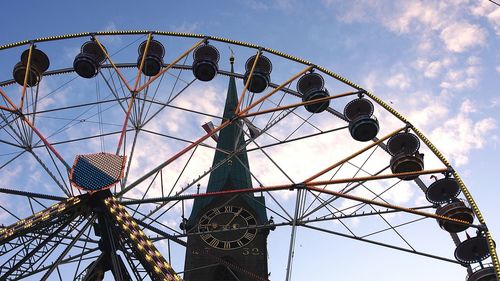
(221, 226)
(234, 172)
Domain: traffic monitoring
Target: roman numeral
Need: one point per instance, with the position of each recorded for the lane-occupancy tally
(228, 209)
(214, 242)
(249, 235)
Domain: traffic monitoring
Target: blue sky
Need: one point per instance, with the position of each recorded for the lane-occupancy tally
(438, 63)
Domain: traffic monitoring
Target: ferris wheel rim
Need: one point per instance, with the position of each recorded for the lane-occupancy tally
(395, 113)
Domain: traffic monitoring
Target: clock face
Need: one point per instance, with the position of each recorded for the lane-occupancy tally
(229, 227)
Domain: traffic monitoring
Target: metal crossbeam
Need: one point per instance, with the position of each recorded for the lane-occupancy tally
(139, 243)
(38, 249)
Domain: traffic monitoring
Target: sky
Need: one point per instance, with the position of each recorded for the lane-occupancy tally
(436, 62)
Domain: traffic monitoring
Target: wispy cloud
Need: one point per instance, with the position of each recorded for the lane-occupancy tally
(460, 134)
(461, 36)
(188, 27)
(490, 12)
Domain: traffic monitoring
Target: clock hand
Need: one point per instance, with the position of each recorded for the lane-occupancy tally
(212, 226)
(234, 216)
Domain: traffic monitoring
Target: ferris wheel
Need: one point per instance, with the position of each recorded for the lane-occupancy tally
(133, 155)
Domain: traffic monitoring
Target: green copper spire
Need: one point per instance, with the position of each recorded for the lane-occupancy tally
(234, 172)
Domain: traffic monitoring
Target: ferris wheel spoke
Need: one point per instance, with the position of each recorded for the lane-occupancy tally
(75, 239)
(108, 57)
(64, 261)
(7, 109)
(8, 100)
(34, 106)
(385, 205)
(361, 205)
(298, 138)
(352, 155)
(141, 65)
(70, 107)
(162, 204)
(145, 193)
(10, 213)
(317, 196)
(114, 91)
(265, 97)
(357, 214)
(16, 135)
(177, 79)
(272, 120)
(18, 154)
(63, 179)
(394, 227)
(383, 244)
(42, 139)
(299, 104)
(162, 233)
(168, 104)
(328, 206)
(252, 140)
(350, 188)
(123, 182)
(260, 183)
(42, 245)
(376, 177)
(76, 140)
(61, 186)
(77, 120)
(26, 75)
(173, 158)
(245, 88)
(31, 194)
(293, 235)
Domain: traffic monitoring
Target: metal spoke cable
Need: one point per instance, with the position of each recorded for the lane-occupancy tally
(334, 216)
(393, 227)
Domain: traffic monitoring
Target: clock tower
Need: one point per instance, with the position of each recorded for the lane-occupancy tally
(226, 240)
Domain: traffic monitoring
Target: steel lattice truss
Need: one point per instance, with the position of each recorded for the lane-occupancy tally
(131, 221)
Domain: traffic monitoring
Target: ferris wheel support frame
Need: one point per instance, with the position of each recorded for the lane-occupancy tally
(463, 188)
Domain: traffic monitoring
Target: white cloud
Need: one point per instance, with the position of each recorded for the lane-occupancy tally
(283, 5)
(461, 36)
(494, 102)
(426, 109)
(467, 107)
(466, 78)
(459, 79)
(110, 40)
(370, 81)
(256, 5)
(399, 81)
(433, 68)
(498, 69)
(490, 11)
(410, 14)
(187, 27)
(460, 134)
(432, 23)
